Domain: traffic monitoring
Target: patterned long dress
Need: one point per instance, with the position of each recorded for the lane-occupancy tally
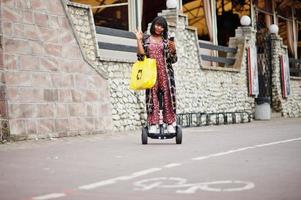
(155, 51)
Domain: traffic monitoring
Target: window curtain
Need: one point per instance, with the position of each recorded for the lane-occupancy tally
(208, 15)
(268, 20)
(211, 22)
(297, 40)
(290, 37)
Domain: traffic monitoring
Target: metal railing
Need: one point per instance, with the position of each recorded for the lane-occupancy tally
(218, 59)
(205, 119)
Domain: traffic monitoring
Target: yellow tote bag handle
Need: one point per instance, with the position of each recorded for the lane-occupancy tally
(144, 74)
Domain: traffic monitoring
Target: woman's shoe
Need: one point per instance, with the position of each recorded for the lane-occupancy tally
(153, 129)
(171, 129)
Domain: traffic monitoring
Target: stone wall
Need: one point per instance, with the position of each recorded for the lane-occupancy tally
(4, 132)
(210, 89)
(51, 89)
(290, 106)
(199, 89)
(128, 110)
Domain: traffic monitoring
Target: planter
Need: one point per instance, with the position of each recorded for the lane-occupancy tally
(263, 108)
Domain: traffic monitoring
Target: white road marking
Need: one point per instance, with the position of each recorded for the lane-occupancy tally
(190, 188)
(202, 157)
(49, 196)
(114, 180)
(173, 182)
(244, 148)
(152, 170)
(98, 184)
(144, 172)
(172, 165)
(244, 185)
(278, 142)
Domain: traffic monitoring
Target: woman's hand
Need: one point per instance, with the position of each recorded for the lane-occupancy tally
(171, 46)
(139, 35)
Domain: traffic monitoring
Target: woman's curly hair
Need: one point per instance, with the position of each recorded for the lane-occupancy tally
(161, 21)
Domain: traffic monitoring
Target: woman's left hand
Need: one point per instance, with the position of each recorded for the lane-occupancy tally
(171, 46)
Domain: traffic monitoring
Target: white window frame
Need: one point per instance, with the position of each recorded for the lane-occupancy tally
(133, 12)
(214, 20)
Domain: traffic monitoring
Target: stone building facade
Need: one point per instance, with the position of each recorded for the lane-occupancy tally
(290, 106)
(55, 83)
(48, 86)
(199, 88)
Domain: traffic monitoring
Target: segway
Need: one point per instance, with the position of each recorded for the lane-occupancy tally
(162, 133)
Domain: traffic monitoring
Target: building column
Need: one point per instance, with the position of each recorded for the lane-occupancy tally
(276, 51)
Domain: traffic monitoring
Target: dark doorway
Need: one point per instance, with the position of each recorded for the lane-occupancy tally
(151, 8)
(228, 13)
(226, 25)
(263, 44)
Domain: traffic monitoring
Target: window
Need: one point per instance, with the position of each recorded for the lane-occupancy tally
(286, 26)
(283, 10)
(216, 17)
(111, 13)
(228, 17)
(265, 5)
(283, 32)
(295, 63)
(195, 10)
(263, 21)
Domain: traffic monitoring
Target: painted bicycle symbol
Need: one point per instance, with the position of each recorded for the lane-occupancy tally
(189, 188)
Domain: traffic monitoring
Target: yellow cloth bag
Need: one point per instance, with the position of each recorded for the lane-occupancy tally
(144, 74)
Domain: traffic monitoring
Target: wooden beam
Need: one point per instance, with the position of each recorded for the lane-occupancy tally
(114, 32)
(116, 47)
(228, 61)
(217, 47)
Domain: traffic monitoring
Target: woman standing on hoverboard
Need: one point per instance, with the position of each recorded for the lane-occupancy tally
(159, 47)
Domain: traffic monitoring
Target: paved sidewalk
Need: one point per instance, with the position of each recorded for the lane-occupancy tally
(257, 160)
(117, 134)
